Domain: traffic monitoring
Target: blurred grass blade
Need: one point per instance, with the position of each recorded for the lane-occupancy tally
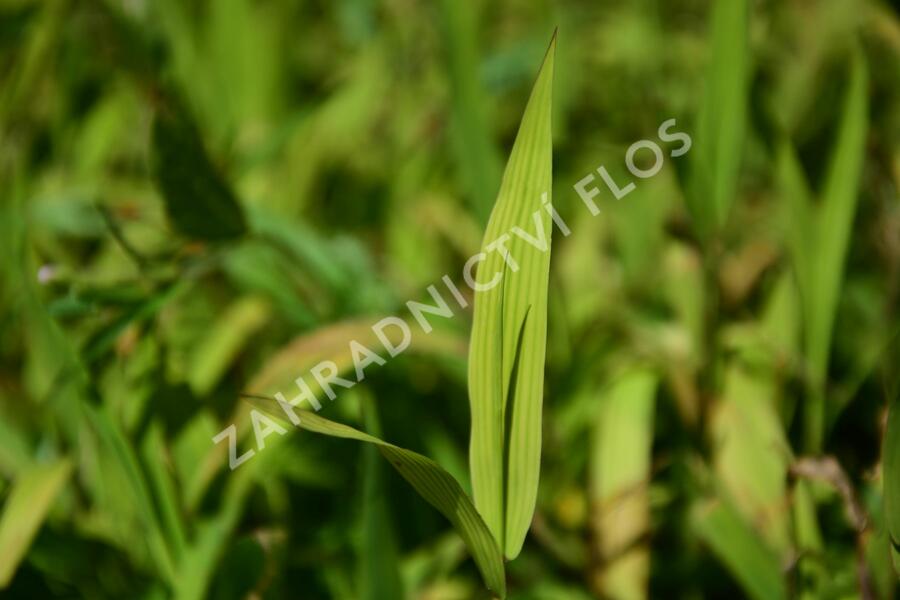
(620, 475)
(380, 564)
(509, 334)
(162, 484)
(752, 453)
(438, 488)
(799, 214)
(136, 494)
(891, 475)
(716, 159)
(819, 238)
(738, 546)
(470, 132)
(808, 541)
(25, 509)
(835, 223)
(198, 200)
(196, 568)
(224, 341)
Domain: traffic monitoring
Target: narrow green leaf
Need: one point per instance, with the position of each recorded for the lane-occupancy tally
(509, 332)
(196, 568)
(478, 160)
(198, 201)
(820, 237)
(123, 459)
(722, 120)
(799, 213)
(161, 482)
(27, 506)
(438, 488)
(834, 225)
(735, 542)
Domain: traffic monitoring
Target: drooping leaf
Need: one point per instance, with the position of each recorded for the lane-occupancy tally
(198, 200)
(437, 487)
(509, 332)
(26, 508)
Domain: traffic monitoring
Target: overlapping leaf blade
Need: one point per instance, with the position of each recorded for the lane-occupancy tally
(438, 488)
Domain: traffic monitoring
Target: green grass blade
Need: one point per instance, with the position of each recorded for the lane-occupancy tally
(834, 225)
(163, 489)
(438, 488)
(476, 155)
(752, 453)
(737, 545)
(380, 563)
(723, 116)
(506, 401)
(819, 238)
(25, 509)
(123, 459)
(620, 476)
(228, 335)
(799, 213)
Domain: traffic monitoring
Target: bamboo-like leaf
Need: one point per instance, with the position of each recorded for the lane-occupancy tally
(722, 120)
(437, 487)
(509, 332)
(30, 500)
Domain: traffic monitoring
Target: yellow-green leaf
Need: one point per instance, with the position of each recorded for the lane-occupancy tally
(30, 500)
(506, 356)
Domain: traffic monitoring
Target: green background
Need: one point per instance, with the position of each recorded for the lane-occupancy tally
(203, 199)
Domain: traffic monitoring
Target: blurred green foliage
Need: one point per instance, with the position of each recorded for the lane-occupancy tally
(204, 199)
